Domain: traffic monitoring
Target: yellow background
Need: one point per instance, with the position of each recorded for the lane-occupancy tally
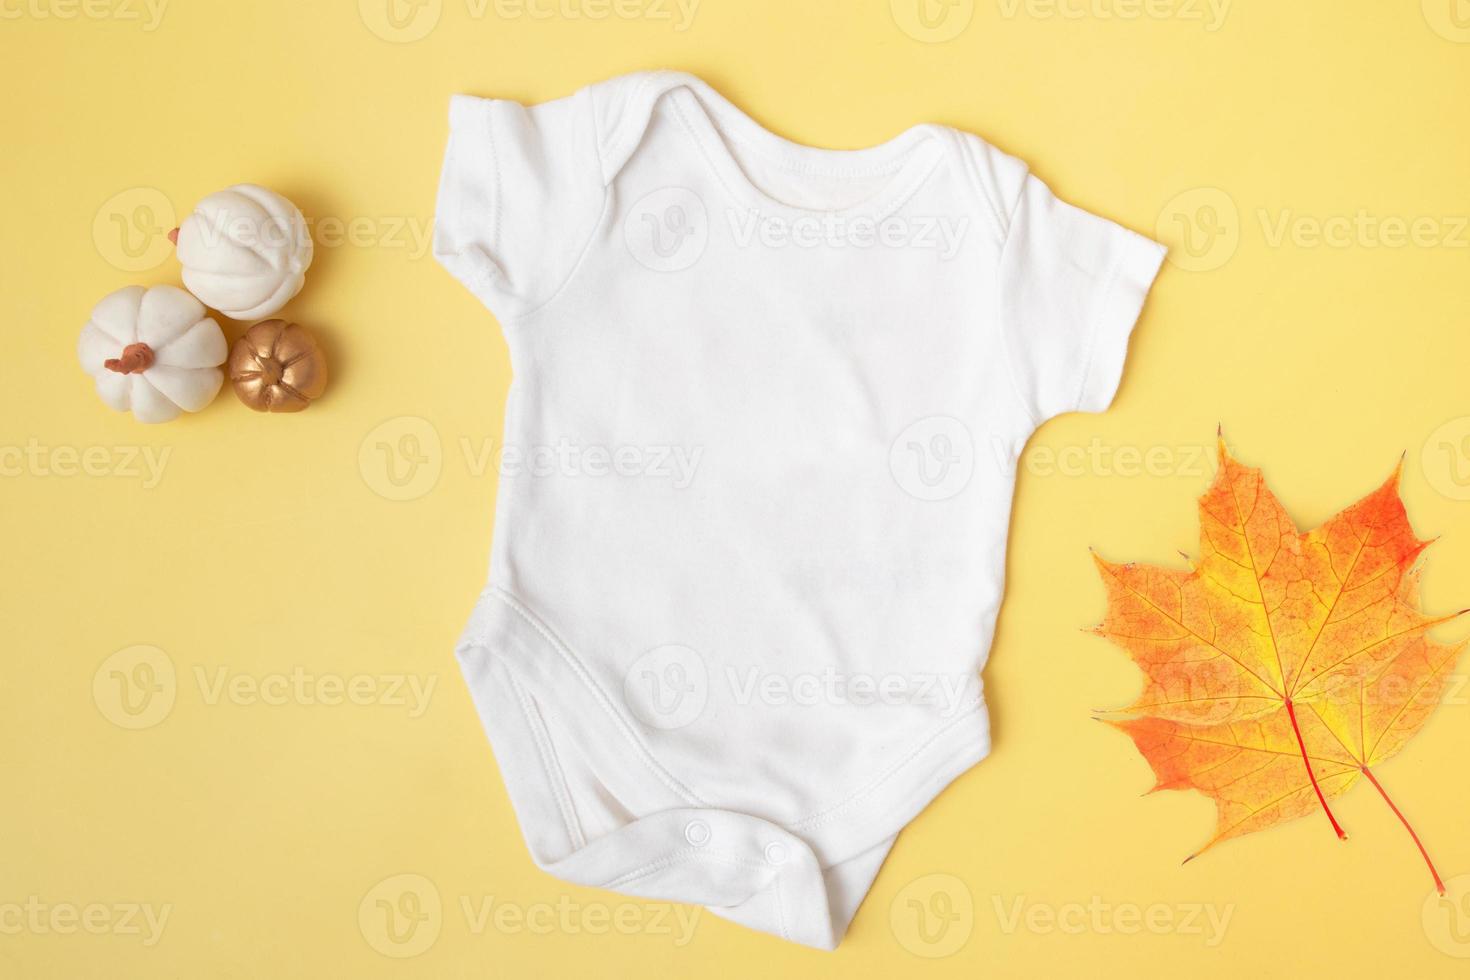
(270, 543)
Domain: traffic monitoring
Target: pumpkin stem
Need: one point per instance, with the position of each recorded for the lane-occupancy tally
(135, 358)
(271, 370)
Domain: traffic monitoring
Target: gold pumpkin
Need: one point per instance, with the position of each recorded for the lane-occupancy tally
(277, 367)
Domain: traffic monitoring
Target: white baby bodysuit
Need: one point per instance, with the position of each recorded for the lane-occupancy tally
(756, 477)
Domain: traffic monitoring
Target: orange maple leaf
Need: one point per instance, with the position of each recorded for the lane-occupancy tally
(1283, 665)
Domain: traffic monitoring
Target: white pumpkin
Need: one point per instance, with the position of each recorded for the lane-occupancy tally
(245, 251)
(153, 351)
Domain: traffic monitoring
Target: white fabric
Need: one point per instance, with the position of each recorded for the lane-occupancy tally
(759, 457)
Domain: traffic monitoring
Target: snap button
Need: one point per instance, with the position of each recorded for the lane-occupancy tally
(697, 833)
(776, 852)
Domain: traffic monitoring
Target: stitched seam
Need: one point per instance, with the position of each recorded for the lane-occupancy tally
(674, 857)
(1000, 318)
(999, 220)
(919, 180)
(586, 248)
(497, 196)
(520, 318)
(791, 166)
(832, 812)
(1003, 224)
(901, 198)
(704, 151)
(604, 146)
(1095, 327)
(811, 821)
(601, 697)
(553, 769)
(812, 169)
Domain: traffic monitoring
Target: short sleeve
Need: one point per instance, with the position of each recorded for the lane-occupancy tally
(1071, 287)
(519, 196)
